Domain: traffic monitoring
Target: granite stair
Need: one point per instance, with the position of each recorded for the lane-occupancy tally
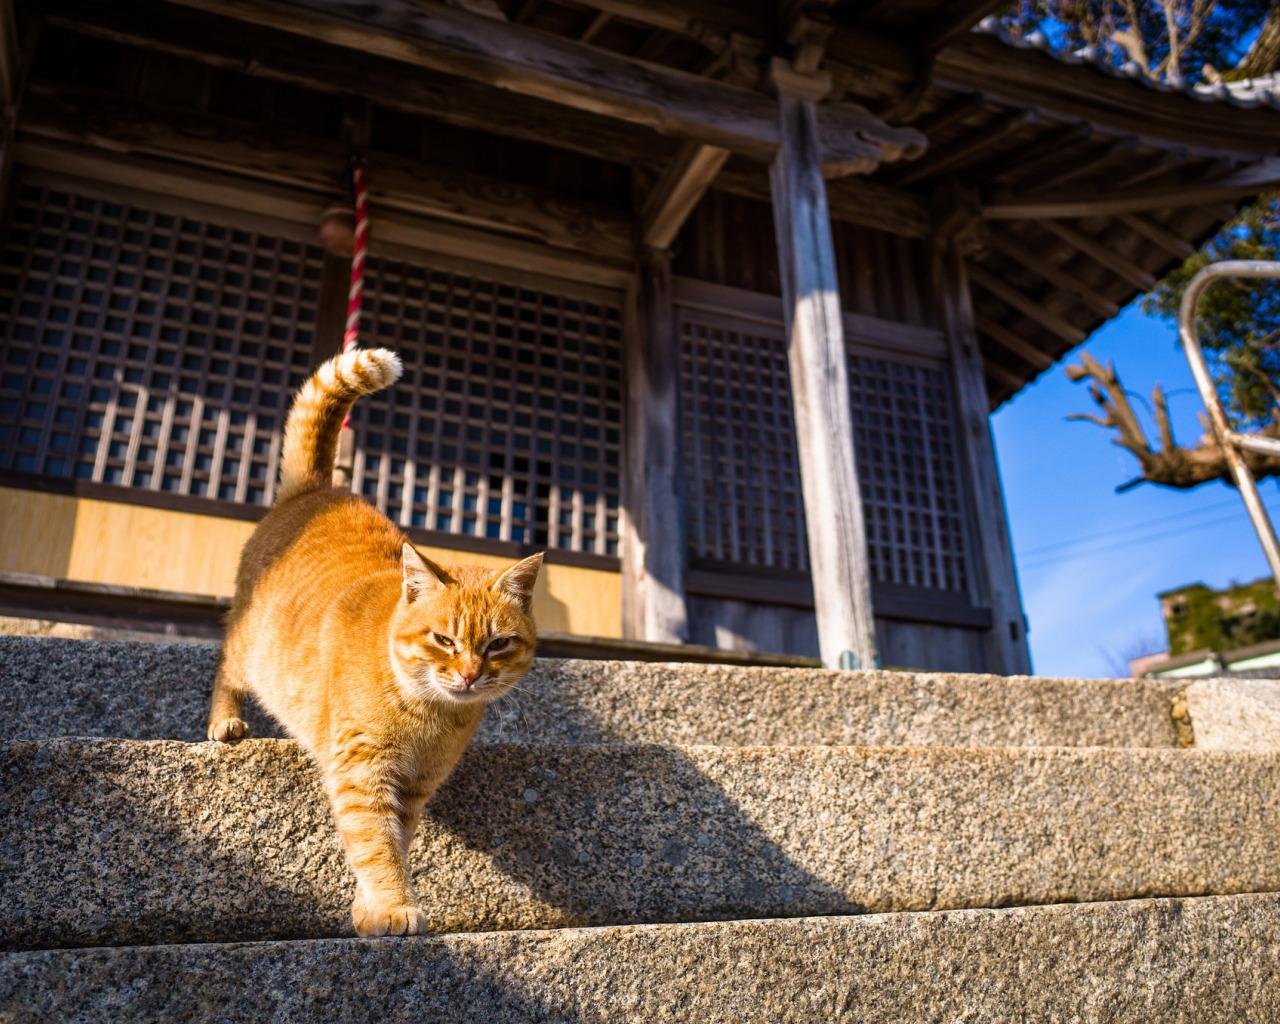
(140, 690)
(654, 841)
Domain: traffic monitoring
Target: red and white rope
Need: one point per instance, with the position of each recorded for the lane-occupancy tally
(356, 292)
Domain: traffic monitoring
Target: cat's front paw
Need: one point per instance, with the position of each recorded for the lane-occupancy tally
(400, 919)
(229, 730)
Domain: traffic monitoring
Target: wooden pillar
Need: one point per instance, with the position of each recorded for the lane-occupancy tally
(834, 522)
(654, 548)
(996, 577)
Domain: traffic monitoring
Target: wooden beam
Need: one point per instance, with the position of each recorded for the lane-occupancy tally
(16, 58)
(10, 58)
(1099, 253)
(996, 577)
(1010, 342)
(1159, 235)
(957, 155)
(953, 112)
(1045, 152)
(281, 57)
(818, 360)
(1010, 296)
(1039, 264)
(1242, 184)
(678, 191)
(1173, 160)
(974, 61)
(854, 199)
(1070, 170)
(953, 19)
(252, 203)
(549, 67)
(691, 19)
(597, 25)
(526, 10)
(871, 63)
(319, 166)
(654, 548)
(1006, 377)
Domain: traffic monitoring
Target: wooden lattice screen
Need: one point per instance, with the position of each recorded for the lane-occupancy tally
(508, 424)
(740, 455)
(153, 350)
(147, 349)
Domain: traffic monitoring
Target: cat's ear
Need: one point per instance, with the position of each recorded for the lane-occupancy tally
(517, 582)
(421, 577)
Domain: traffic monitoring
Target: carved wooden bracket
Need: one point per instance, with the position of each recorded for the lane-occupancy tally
(881, 143)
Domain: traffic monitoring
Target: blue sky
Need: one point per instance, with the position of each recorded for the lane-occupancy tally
(1090, 561)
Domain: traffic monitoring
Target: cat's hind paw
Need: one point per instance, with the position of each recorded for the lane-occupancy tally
(404, 919)
(229, 730)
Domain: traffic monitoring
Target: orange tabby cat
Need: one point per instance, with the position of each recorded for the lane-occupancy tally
(379, 661)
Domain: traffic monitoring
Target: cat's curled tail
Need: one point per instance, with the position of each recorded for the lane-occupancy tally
(320, 406)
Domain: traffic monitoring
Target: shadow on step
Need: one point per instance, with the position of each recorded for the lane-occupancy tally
(623, 833)
(114, 843)
(146, 871)
(121, 843)
(615, 834)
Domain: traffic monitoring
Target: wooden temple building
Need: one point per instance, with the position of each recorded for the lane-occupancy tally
(712, 300)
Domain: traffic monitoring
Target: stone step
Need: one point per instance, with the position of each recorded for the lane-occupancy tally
(1207, 961)
(160, 691)
(110, 842)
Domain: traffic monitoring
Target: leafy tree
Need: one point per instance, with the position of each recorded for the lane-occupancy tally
(1239, 322)
(1184, 42)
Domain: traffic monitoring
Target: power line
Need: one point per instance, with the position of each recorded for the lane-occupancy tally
(1129, 528)
(1137, 542)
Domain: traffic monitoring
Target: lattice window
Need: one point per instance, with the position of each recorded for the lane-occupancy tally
(152, 350)
(908, 469)
(147, 349)
(508, 423)
(744, 486)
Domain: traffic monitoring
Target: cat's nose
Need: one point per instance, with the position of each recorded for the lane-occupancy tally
(468, 677)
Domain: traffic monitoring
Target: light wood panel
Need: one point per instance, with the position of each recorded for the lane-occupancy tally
(95, 541)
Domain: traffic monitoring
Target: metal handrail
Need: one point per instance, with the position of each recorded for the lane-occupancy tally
(1232, 442)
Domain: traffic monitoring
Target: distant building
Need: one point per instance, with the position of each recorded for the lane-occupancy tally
(1232, 631)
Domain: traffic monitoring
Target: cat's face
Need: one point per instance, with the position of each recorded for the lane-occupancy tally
(462, 636)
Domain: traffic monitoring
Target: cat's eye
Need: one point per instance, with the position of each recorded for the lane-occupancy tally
(440, 640)
(498, 644)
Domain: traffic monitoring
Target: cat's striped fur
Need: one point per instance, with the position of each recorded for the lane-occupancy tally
(379, 661)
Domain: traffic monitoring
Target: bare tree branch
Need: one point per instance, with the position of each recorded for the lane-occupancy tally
(1130, 40)
(1172, 64)
(1170, 465)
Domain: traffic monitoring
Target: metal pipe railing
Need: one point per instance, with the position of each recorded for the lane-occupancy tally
(1232, 442)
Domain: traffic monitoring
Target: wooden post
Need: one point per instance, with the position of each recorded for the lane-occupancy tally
(819, 380)
(996, 577)
(654, 548)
